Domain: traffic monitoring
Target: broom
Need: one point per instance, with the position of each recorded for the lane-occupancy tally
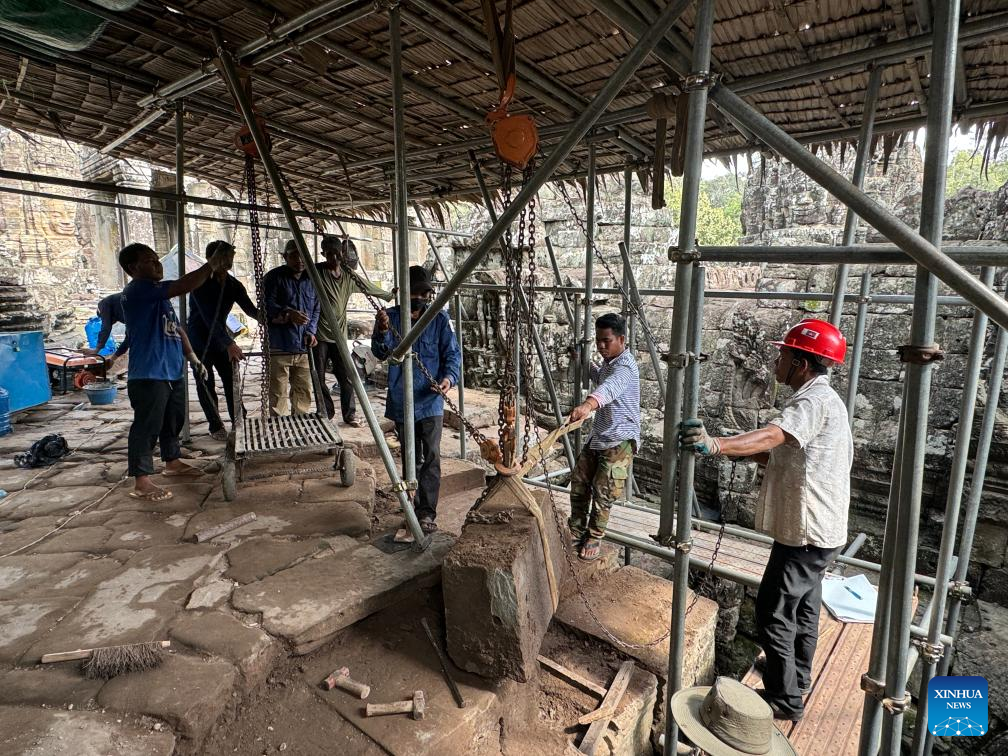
(109, 661)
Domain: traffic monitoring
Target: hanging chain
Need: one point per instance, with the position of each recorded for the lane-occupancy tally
(258, 269)
(641, 317)
(525, 337)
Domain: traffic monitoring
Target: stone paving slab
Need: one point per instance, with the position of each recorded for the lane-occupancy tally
(310, 602)
(39, 502)
(23, 621)
(286, 519)
(15, 535)
(141, 530)
(217, 633)
(48, 685)
(38, 732)
(60, 575)
(329, 490)
(635, 606)
(188, 693)
(133, 606)
(256, 558)
(390, 652)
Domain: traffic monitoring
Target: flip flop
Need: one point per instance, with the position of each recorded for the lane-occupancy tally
(403, 535)
(188, 472)
(591, 550)
(158, 495)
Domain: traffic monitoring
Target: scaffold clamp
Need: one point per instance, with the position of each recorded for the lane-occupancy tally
(404, 485)
(683, 547)
(930, 652)
(698, 80)
(960, 589)
(871, 686)
(920, 355)
(677, 255)
(896, 705)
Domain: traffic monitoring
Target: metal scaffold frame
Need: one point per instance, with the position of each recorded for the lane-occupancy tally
(894, 634)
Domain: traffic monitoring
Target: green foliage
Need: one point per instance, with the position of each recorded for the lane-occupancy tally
(964, 170)
(719, 209)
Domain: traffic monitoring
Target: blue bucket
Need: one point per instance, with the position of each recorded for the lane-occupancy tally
(101, 392)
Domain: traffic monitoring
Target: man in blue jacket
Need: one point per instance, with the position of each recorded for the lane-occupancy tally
(292, 309)
(439, 351)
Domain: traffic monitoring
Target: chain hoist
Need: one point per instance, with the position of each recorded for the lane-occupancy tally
(258, 271)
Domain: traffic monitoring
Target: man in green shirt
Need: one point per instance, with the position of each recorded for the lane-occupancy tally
(339, 281)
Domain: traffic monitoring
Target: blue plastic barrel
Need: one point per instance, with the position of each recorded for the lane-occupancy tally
(5, 426)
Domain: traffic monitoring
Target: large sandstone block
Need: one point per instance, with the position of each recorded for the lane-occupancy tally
(496, 588)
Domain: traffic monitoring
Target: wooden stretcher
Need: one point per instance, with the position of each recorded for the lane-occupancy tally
(254, 436)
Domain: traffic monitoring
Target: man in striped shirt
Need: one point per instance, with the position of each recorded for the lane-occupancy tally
(603, 465)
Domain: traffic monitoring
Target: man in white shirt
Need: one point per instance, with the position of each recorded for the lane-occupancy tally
(802, 503)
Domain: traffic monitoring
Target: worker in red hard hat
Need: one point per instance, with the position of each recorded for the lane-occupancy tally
(803, 502)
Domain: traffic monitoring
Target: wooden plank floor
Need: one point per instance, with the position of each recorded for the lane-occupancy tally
(832, 722)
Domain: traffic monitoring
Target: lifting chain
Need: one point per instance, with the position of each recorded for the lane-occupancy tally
(487, 447)
(258, 268)
(641, 318)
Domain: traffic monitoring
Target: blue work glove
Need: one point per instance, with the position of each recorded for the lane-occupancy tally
(695, 438)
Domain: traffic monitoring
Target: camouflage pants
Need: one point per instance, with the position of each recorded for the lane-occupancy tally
(599, 477)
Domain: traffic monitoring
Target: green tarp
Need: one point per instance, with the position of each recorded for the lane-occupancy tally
(55, 24)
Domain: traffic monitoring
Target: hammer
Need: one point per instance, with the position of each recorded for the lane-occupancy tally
(341, 679)
(414, 707)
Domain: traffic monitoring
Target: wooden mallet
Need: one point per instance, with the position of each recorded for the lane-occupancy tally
(414, 707)
(341, 679)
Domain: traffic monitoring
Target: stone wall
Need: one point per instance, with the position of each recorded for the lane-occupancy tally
(781, 206)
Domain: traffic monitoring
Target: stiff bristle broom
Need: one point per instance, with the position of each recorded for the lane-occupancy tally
(109, 661)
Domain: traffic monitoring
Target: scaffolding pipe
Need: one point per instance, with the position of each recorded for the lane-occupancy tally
(639, 304)
(862, 254)
(918, 376)
(628, 315)
(559, 283)
(984, 442)
(953, 500)
(589, 277)
(924, 252)
(633, 60)
(199, 76)
(180, 232)
(683, 392)
(861, 164)
(854, 376)
(408, 439)
(229, 73)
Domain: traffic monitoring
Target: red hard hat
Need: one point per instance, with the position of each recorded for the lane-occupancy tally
(816, 337)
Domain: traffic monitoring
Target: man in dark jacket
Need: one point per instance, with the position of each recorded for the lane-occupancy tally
(209, 306)
(439, 351)
(292, 310)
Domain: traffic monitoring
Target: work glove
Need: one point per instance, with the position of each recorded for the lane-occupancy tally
(695, 438)
(199, 369)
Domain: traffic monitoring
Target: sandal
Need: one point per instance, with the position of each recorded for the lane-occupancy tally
(159, 494)
(428, 526)
(577, 541)
(591, 550)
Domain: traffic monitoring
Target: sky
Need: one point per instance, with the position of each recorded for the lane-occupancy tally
(958, 142)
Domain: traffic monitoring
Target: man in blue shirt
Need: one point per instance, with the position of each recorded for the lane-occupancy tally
(292, 309)
(209, 307)
(439, 352)
(603, 465)
(156, 366)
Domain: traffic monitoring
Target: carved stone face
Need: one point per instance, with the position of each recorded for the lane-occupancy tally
(808, 208)
(60, 218)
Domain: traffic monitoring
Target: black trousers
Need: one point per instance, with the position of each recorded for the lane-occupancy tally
(219, 362)
(159, 412)
(787, 619)
(324, 352)
(427, 442)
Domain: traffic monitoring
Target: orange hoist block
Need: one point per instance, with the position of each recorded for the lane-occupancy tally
(515, 137)
(243, 139)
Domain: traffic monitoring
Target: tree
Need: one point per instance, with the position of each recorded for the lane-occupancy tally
(964, 170)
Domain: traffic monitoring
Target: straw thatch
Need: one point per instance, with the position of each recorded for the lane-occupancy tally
(331, 112)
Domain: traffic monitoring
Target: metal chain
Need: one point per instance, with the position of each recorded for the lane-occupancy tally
(709, 574)
(641, 317)
(528, 370)
(258, 269)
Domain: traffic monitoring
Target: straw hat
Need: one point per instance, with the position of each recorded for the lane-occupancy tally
(728, 719)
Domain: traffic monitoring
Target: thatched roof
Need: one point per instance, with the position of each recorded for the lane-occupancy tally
(328, 103)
